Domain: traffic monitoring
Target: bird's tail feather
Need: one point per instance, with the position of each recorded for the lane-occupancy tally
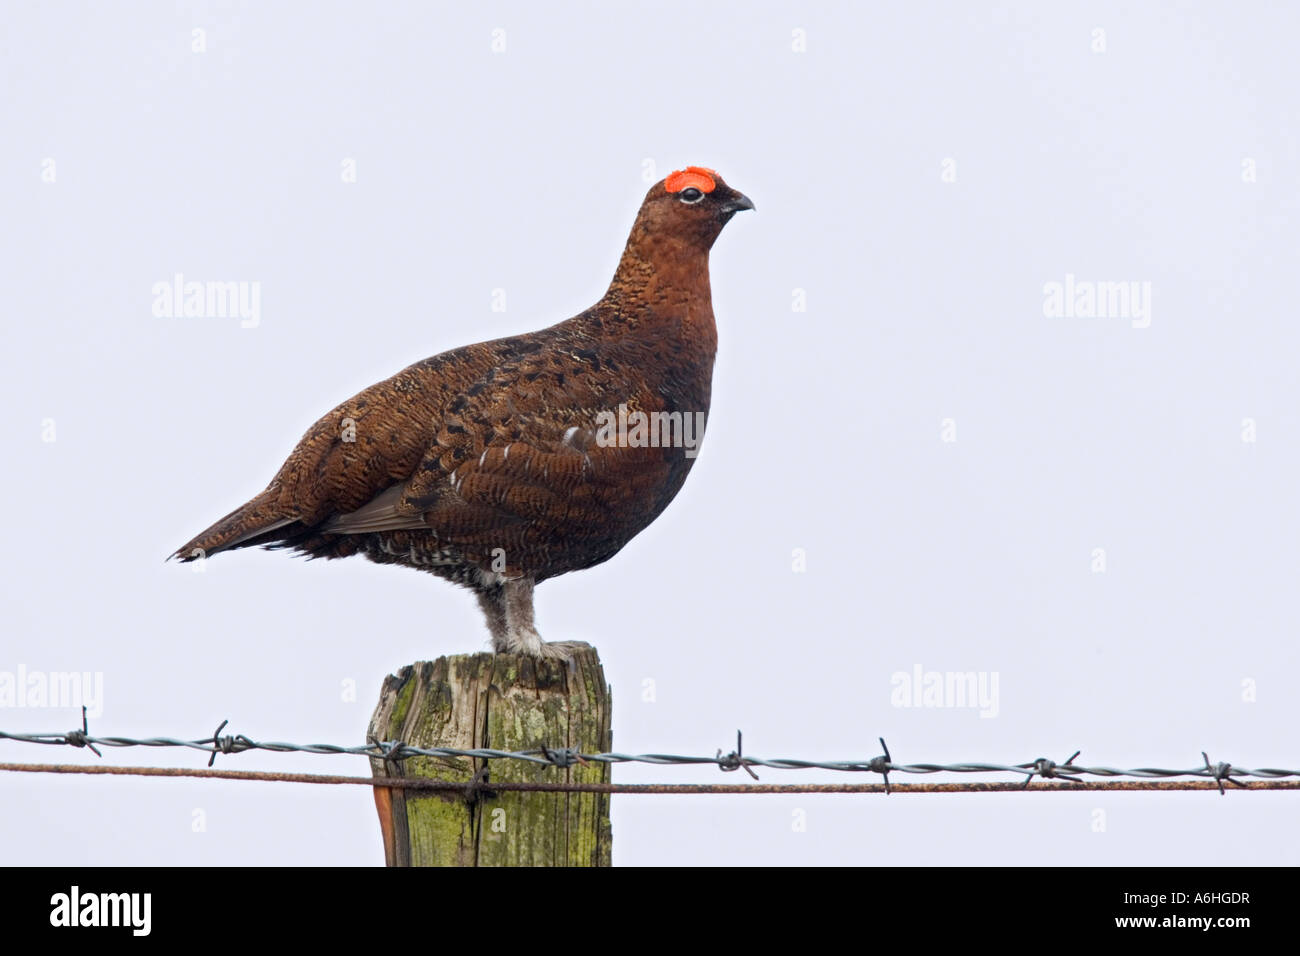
(250, 524)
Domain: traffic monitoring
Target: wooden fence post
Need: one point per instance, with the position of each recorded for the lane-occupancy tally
(503, 702)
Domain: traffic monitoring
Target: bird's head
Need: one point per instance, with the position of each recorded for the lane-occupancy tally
(692, 204)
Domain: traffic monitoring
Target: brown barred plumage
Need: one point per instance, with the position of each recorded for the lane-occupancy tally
(486, 465)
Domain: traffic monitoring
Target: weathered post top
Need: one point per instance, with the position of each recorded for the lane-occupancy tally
(502, 702)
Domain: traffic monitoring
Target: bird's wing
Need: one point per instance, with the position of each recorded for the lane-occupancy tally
(523, 451)
(348, 469)
(382, 513)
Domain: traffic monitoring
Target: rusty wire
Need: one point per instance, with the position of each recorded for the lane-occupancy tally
(1067, 775)
(655, 789)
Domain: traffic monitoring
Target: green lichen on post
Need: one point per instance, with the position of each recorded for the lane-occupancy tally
(589, 816)
(504, 702)
(403, 703)
(441, 831)
(416, 707)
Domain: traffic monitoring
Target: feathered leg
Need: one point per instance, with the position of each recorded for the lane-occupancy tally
(521, 635)
(492, 601)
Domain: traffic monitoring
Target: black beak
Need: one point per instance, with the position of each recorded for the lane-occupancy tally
(737, 202)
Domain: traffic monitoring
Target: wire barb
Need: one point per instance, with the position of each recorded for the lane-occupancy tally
(228, 744)
(882, 765)
(562, 756)
(81, 738)
(1051, 770)
(390, 751)
(735, 760)
(1221, 772)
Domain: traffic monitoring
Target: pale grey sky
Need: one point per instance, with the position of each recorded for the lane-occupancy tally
(922, 173)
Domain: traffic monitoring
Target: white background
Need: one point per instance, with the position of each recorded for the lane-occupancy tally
(522, 170)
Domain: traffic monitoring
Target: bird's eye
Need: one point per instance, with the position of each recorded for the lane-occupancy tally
(691, 195)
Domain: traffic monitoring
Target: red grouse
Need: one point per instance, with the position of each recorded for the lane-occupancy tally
(501, 464)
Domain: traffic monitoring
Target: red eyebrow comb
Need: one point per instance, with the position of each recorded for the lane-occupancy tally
(692, 176)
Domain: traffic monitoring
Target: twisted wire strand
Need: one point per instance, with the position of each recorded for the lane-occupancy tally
(398, 751)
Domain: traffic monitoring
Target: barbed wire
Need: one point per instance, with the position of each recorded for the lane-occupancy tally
(395, 752)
